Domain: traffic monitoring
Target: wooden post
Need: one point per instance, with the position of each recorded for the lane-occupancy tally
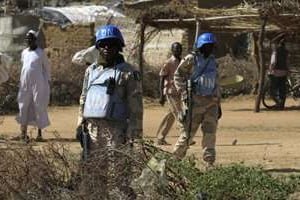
(262, 63)
(141, 47)
(255, 58)
(197, 29)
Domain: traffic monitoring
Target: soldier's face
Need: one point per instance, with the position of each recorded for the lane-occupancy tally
(207, 49)
(108, 49)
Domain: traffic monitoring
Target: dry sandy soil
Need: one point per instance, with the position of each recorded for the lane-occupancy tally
(268, 138)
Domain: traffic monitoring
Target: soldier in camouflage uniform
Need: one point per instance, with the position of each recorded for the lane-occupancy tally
(111, 104)
(201, 69)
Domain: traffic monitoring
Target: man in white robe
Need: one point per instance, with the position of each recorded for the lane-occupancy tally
(34, 91)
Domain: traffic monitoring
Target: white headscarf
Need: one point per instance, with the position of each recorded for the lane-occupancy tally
(34, 33)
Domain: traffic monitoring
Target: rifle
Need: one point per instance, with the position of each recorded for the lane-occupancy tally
(189, 109)
(84, 137)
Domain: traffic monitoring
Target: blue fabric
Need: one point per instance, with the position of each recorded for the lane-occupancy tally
(204, 75)
(205, 38)
(107, 32)
(100, 104)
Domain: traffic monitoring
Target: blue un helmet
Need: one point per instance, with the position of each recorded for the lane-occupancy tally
(109, 32)
(205, 38)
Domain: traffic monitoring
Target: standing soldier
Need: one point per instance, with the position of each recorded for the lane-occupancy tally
(111, 105)
(34, 91)
(169, 92)
(199, 71)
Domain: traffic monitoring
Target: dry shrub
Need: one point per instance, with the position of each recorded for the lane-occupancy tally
(29, 173)
(53, 172)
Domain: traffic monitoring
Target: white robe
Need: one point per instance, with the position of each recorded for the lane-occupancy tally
(34, 92)
(4, 62)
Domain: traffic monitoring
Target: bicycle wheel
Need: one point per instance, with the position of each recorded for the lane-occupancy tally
(267, 100)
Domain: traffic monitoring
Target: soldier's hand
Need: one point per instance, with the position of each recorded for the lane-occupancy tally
(162, 100)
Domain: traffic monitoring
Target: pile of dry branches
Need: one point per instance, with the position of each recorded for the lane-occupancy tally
(53, 172)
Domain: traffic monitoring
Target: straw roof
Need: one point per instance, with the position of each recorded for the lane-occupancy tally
(165, 14)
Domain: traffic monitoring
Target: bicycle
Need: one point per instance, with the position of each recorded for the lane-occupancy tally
(292, 86)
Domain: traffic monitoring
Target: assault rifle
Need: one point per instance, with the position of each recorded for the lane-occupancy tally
(85, 140)
(189, 109)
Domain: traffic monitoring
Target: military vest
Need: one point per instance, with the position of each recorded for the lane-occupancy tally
(101, 104)
(204, 76)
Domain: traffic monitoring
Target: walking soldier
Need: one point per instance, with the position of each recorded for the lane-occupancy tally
(200, 70)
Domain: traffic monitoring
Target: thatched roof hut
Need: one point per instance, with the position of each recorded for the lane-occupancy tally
(240, 16)
(283, 14)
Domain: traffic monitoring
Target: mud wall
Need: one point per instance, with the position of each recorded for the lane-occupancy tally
(61, 45)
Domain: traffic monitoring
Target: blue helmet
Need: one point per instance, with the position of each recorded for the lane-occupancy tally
(205, 38)
(109, 32)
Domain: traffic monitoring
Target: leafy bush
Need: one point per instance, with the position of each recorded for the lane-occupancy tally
(241, 182)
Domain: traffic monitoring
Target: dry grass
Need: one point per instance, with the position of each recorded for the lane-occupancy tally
(53, 172)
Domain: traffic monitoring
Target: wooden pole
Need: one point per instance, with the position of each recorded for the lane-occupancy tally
(255, 58)
(262, 63)
(141, 47)
(197, 29)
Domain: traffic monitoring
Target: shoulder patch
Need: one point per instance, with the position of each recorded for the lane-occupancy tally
(137, 75)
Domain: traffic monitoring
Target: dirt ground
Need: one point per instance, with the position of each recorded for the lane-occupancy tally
(268, 138)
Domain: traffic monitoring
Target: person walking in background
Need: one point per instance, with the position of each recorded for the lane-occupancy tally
(199, 70)
(34, 91)
(278, 72)
(168, 92)
(111, 109)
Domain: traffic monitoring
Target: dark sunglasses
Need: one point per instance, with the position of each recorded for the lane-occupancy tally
(108, 43)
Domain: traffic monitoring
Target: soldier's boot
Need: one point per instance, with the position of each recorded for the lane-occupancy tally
(162, 142)
(180, 151)
(209, 156)
(39, 137)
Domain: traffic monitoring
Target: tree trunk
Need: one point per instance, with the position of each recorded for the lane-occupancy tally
(141, 48)
(262, 64)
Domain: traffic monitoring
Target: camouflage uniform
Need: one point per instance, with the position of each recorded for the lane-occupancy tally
(204, 112)
(107, 135)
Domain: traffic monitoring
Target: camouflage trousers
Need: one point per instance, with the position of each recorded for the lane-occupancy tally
(107, 168)
(175, 108)
(204, 113)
